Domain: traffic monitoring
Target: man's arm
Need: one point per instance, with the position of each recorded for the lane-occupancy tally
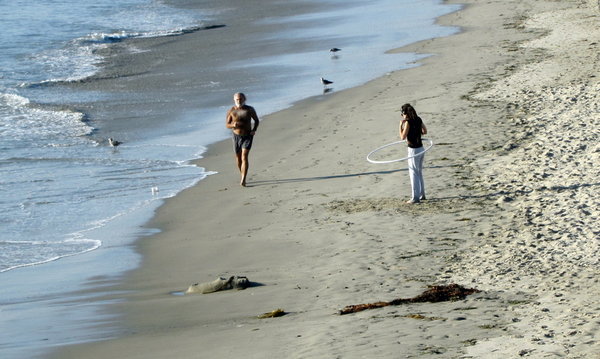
(229, 123)
(256, 121)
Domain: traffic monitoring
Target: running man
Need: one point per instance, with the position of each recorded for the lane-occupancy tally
(239, 120)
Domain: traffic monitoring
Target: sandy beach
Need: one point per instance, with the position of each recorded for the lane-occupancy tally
(512, 105)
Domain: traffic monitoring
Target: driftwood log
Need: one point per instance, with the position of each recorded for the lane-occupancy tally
(234, 282)
(435, 293)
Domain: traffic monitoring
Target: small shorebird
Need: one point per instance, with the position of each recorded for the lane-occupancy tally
(326, 82)
(113, 142)
(334, 49)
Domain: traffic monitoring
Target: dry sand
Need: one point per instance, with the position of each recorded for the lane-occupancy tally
(546, 177)
(512, 103)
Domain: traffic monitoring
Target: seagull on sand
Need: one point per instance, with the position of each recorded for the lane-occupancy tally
(334, 49)
(113, 142)
(326, 82)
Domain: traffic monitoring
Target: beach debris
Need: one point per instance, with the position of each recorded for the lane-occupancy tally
(326, 82)
(233, 282)
(422, 317)
(435, 293)
(273, 314)
(525, 352)
(113, 142)
(334, 49)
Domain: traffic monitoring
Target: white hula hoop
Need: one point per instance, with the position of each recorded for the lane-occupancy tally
(398, 159)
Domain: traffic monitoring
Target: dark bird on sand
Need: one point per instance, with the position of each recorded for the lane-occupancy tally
(334, 49)
(113, 142)
(326, 82)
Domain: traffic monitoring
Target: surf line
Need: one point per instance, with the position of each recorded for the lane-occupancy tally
(398, 159)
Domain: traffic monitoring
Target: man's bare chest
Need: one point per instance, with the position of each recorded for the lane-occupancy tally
(241, 114)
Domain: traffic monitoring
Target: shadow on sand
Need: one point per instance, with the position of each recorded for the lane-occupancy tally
(322, 178)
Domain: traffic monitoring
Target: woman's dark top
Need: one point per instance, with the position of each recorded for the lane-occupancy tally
(414, 133)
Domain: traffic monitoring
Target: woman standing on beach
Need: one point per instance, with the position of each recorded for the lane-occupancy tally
(411, 129)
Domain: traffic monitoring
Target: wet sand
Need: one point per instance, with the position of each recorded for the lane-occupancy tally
(512, 105)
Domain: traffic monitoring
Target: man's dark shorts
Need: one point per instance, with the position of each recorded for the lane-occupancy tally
(242, 141)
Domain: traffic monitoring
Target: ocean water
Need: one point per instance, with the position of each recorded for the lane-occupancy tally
(71, 206)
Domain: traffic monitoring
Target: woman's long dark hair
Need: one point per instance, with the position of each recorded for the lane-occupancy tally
(410, 112)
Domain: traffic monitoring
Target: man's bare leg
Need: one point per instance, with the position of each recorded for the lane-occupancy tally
(238, 160)
(243, 165)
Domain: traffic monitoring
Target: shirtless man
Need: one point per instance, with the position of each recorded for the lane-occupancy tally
(239, 120)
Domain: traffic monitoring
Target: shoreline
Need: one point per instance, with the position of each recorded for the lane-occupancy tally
(316, 206)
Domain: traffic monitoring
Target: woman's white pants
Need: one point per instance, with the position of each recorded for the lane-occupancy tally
(415, 171)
